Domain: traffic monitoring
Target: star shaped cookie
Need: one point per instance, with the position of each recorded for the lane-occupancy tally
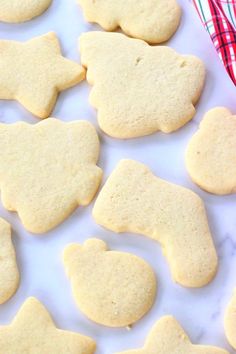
(34, 72)
(168, 337)
(33, 332)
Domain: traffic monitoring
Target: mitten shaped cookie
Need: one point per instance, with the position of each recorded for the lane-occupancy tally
(33, 332)
(112, 288)
(139, 89)
(47, 170)
(19, 11)
(134, 200)
(154, 21)
(34, 72)
(9, 274)
(168, 337)
(211, 153)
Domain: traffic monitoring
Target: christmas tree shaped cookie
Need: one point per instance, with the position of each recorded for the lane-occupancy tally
(139, 89)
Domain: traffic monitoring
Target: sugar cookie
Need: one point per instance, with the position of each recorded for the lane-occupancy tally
(33, 331)
(9, 274)
(139, 89)
(112, 288)
(230, 321)
(134, 200)
(33, 73)
(211, 153)
(22, 10)
(154, 21)
(47, 170)
(168, 337)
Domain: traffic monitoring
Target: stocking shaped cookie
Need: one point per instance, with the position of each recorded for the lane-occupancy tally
(112, 288)
(154, 21)
(168, 337)
(211, 153)
(33, 332)
(135, 200)
(34, 72)
(139, 89)
(47, 170)
(22, 10)
(9, 274)
(230, 321)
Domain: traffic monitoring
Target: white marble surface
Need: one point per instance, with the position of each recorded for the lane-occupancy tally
(200, 311)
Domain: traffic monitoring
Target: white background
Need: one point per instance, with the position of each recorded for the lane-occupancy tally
(200, 311)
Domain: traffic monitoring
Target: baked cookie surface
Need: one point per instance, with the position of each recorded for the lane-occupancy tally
(135, 200)
(154, 21)
(211, 152)
(139, 89)
(47, 170)
(34, 72)
(22, 10)
(168, 337)
(9, 274)
(230, 321)
(33, 332)
(112, 288)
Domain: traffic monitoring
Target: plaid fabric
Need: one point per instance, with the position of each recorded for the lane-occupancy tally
(219, 19)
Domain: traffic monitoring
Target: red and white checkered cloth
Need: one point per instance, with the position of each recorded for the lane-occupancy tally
(219, 19)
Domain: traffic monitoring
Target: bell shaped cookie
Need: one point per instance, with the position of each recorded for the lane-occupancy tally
(134, 200)
(168, 337)
(154, 21)
(9, 274)
(22, 10)
(33, 332)
(47, 170)
(211, 153)
(34, 72)
(112, 288)
(230, 321)
(139, 89)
